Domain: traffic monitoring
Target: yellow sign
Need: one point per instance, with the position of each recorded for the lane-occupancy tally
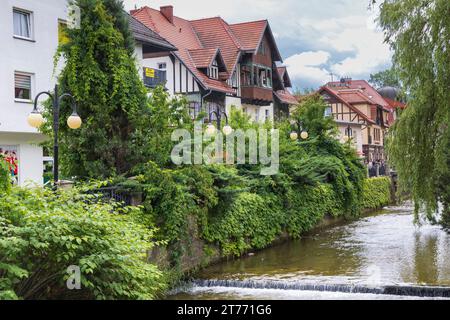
(149, 73)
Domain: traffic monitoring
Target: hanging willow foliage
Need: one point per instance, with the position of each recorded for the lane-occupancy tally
(418, 31)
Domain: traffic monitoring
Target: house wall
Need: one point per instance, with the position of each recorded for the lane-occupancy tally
(36, 58)
(29, 154)
(179, 79)
(258, 113)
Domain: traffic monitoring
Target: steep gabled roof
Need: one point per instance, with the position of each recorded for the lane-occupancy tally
(347, 103)
(204, 58)
(286, 97)
(182, 35)
(284, 77)
(145, 35)
(251, 34)
(365, 88)
(216, 33)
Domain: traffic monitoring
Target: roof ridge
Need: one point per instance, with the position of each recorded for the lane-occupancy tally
(206, 18)
(233, 37)
(255, 21)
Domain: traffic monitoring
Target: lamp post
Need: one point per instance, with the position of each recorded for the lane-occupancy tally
(211, 129)
(36, 120)
(303, 133)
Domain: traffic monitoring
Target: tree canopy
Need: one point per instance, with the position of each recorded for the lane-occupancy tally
(101, 72)
(418, 31)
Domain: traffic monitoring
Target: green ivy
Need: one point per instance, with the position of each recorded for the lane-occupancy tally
(249, 222)
(377, 193)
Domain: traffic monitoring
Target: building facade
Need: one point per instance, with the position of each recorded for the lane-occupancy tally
(363, 115)
(217, 65)
(29, 38)
(30, 32)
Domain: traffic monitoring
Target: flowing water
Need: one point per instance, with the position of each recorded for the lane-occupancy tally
(380, 256)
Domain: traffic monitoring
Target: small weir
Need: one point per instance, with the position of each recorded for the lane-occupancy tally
(380, 256)
(414, 291)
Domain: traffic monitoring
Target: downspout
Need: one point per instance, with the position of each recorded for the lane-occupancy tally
(205, 96)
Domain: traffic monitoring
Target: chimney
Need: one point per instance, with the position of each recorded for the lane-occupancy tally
(167, 12)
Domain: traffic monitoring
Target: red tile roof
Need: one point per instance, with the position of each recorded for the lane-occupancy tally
(286, 97)
(203, 58)
(364, 87)
(216, 33)
(182, 35)
(249, 33)
(395, 104)
(197, 39)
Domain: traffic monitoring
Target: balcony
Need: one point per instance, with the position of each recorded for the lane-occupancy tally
(257, 95)
(153, 77)
(256, 84)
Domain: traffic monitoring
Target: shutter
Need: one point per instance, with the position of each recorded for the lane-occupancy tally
(22, 81)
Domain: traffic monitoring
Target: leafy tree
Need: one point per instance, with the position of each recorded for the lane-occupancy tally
(386, 78)
(419, 33)
(101, 72)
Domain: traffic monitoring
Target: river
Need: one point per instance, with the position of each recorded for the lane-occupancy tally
(379, 256)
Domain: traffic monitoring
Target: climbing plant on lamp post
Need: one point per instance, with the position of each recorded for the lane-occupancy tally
(35, 120)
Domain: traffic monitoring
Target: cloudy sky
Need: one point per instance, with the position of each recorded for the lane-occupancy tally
(316, 38)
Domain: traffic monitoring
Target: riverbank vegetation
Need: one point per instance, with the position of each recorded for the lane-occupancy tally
(376, 193)
(43, 233)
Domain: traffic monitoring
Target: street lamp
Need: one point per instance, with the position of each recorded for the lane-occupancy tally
(36, 120)
(211, 129)
(303, 133)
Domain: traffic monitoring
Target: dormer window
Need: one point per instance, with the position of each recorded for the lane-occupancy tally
(213, 71)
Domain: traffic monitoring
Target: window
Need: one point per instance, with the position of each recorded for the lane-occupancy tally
(62, 32)
(377, 134)
(349, 132)
(262, 49)
(267, 115)
(162, 66)
(328, 111)
(22, 24)
(214, 71)
(22, 86)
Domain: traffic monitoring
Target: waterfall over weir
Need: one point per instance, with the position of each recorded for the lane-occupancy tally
(381, 256)
(413, 291)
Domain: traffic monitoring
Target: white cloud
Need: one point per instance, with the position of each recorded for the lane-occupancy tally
(309, 66)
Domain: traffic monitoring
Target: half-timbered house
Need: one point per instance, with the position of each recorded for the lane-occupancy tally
(217, 65)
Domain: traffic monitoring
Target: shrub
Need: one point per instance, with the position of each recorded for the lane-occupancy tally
(249, 222)
(42, 233)
(5, 181)
(377, 193)
(308, 206)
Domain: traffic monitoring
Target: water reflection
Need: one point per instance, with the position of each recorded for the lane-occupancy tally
(384, 248)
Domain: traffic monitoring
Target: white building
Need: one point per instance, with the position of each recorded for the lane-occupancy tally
(29, 36)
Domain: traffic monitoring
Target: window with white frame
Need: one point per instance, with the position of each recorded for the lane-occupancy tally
(162, 65)
(214, 70)
(22, 86)
(22, 21)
